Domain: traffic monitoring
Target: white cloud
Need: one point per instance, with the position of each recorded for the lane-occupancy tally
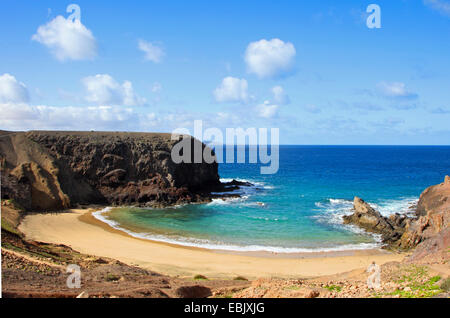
(442, 6)
(232, 90)
(11, 90)
(267, 110)
(102, 89)
(67, 39)
(26, 117)
(279, 96)
(270, 58)
(11, 112)
(395, 90)
(152, 52)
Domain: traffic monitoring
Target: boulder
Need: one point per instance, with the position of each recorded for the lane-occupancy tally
(366, 217)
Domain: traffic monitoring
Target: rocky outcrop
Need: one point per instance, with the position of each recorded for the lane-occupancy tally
(434, 198)
(428, 229)
(366, 217)
(435, 249)
(54, 170)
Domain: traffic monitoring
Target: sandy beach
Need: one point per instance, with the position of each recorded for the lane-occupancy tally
(81, 231)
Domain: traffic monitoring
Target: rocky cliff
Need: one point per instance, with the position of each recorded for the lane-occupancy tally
(48, 170)
(431, 228)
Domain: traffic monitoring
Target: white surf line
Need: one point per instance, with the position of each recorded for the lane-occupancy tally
(205, 244)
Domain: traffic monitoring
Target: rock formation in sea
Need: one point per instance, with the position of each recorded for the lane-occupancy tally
(372, 221)
(428, 229)
(51, 170)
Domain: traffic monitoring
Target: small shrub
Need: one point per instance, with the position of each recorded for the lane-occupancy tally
(334, 288)
(240, 278)
(112, 278)
(200, 277)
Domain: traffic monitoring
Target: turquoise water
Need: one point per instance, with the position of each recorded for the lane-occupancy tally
(300, 208)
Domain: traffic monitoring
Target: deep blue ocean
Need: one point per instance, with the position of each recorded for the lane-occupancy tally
(300, 208)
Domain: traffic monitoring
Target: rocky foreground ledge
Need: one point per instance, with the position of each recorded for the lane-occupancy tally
(54, 170)
(428, 228)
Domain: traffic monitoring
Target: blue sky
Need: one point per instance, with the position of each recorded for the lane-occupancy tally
(311, 68)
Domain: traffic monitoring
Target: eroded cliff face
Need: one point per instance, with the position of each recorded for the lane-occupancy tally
(46, 170)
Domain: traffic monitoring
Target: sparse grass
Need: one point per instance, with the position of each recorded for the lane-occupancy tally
(6, 226)
(418, 284)
(200, 277)
(240, 278)
(414, 273)
(112, 278)
(38, 254)
(334, 288)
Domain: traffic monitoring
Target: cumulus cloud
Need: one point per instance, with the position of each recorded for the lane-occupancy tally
(102, 89)
(232, 90)
(11, 90)
(267, 110)
(279, 96)
(12, 112)
(67, 39)
(17, 114)
(442, 6)
(152, 52)
(271, 58)
(395, 90)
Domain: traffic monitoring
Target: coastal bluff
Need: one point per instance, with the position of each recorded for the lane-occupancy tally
(54, 170)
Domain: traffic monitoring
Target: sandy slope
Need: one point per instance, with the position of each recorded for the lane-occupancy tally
(79, 230)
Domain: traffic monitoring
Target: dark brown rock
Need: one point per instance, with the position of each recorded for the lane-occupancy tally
(195, 291)
(18, 191)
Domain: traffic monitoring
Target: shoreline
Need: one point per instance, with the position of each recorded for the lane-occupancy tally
(79, 229)
(97, 220)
